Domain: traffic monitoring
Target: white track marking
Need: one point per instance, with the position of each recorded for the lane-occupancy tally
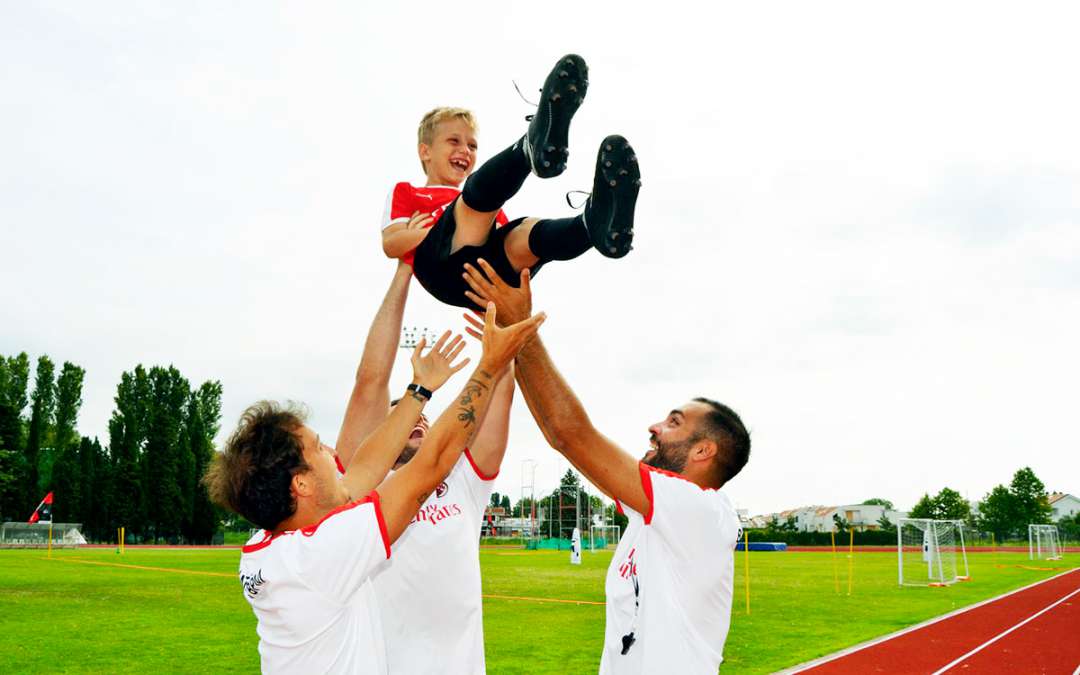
(992, 640)
(884, 638)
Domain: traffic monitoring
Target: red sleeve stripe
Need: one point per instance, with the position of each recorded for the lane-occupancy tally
(618, 507)
(483, 476)
(374, 497)
(646, 484)
(340, 468)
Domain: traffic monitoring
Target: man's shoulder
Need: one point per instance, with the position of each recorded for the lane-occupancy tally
(678, 491)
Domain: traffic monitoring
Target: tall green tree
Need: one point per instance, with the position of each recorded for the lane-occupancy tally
(162, 458)
(42, 415)
(65, 439)
(127, 436)
(98, 485)
(204, 515)
(68, 402)
(998, 513)
(66, 486)
(924, 508)
(1031, 501)
(951, 505)
(948, 504)
(14, 376)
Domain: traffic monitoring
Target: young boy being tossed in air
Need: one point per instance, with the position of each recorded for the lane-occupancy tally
(440, 226)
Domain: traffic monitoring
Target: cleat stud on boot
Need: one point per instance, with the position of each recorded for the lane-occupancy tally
(550, 148)
(546, 164)
(612, 249)
(563, 74)
(607, 164)
(612, 183)
(608, 147)
(624, 172)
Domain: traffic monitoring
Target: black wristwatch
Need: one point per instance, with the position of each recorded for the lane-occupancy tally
(420, 391)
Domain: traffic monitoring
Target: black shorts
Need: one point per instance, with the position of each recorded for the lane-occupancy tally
(439, 271)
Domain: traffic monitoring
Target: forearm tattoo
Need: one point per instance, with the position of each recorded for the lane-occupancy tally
(473, 391)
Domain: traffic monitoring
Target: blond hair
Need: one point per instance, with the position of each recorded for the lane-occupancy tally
(425, 133)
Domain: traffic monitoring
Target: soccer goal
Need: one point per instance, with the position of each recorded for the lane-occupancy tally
(1043, 542)
(930, 552)
(603, 537)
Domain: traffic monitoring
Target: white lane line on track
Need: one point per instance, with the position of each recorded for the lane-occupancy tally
(798, 668)
(992, 640)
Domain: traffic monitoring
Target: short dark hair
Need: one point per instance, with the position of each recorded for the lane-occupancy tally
(252, 474)
(726, 429)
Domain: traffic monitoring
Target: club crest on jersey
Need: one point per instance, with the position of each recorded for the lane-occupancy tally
(441, 489)
(252, 583)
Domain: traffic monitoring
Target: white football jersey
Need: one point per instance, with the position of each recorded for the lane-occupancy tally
(312, 595)
(669, 585)
(429, 591)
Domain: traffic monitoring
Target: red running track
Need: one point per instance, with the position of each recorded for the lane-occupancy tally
(1033, 630)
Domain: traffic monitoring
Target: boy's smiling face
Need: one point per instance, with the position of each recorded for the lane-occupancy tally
(450, 157)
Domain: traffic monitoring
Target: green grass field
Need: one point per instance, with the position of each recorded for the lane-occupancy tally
(92, 610)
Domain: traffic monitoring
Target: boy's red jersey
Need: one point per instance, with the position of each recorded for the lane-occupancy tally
(405, 199)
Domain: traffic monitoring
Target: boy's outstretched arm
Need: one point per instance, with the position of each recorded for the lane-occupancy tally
(405, 491)
(552, 402)
(369, 401)
(400, 238)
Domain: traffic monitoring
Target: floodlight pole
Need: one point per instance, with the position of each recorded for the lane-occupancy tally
(531, 484)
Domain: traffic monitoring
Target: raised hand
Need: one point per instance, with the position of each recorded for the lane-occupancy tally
(501, 345)
(514, 304)
(433, 369)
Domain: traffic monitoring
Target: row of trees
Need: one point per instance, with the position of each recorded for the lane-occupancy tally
(1005, 511)
(30, 444)
(147, 478)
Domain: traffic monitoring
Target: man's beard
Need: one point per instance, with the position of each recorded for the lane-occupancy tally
(671, 456)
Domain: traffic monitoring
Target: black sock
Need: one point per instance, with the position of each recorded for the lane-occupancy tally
(559, 238)
(497, 179)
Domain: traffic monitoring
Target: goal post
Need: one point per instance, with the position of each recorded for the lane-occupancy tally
(1043, 542)
(930, 552)
(603, 537)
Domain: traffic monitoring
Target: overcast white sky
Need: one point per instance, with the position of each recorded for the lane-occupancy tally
(859, 226)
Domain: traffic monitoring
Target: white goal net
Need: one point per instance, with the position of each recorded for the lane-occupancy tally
(603, 537)
(1043, 542)
(930, 552)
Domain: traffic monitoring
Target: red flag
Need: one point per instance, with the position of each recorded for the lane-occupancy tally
(44, 510)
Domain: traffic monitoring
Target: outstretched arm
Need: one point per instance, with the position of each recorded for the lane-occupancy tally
(405, 491)
(552, 402)
(381, 448)
(489, 446)
(369, 401)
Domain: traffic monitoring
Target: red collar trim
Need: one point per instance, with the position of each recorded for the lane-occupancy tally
(270, 535)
